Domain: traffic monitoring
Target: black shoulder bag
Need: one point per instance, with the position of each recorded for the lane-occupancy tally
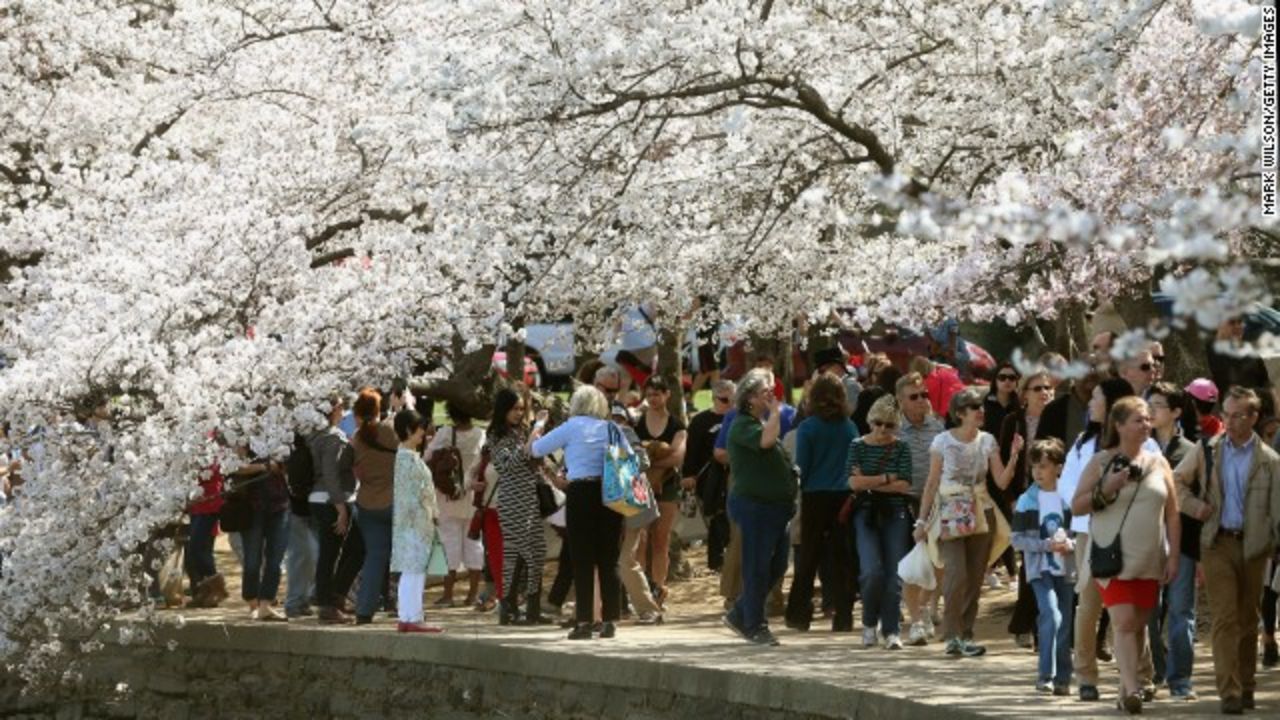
(1108, 561)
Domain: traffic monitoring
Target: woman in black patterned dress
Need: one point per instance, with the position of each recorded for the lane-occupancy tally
(523, 538)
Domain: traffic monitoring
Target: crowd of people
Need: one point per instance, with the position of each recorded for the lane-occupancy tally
(1106, 500)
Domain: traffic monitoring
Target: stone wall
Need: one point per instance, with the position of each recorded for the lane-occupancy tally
(227, 672)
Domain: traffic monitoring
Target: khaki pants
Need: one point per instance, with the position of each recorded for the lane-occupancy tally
(1088, 614)
(632, 575)
(1234, 586)
(965, 560)
(731, 576)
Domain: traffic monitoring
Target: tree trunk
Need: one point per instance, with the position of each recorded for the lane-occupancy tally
(471, 386)
(515, 357)
(671, 368)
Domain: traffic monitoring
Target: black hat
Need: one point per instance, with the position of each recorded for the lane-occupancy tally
(828, 356)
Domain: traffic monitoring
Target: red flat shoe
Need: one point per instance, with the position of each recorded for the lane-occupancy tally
(417, 628)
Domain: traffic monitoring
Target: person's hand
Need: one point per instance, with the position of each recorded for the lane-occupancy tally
(1205, 511)
(772, 403)
(1016, 447)
(1171, 568)
(901, 487)
(343, 523)
(1113, 481)
(689, 483)
(478, 485)
(920, 533)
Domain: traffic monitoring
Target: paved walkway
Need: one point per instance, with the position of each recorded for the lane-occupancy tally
(815, 672)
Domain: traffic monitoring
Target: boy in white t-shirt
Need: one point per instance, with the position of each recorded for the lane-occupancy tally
(1041, 530)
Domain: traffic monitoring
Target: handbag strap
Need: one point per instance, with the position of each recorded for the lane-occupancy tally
(1129, 507)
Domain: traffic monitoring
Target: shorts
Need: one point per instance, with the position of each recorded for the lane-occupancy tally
(460, 551)
(1140, 593)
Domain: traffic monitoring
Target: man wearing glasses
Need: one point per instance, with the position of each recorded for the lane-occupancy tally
(1140, 371)
(706, 475)
(917, 427)
(1237, 497)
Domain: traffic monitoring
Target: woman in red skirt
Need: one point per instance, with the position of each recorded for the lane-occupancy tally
(1134, 507)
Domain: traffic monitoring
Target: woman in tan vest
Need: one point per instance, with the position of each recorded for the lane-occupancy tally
(1129, 491)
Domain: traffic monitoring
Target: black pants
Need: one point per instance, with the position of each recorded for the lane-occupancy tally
(1269, 598)
(717, 540)
(339, 559)
(820, 531)
(595, 539)
(564, 575)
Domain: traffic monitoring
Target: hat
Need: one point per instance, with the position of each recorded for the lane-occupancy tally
(828, 356)
(1203, 389)
(618, 409)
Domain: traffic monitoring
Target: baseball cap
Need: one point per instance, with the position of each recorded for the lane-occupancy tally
(828, 356)
(1202, 389)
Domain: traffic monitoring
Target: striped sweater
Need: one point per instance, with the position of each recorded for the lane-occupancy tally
(1032, 534)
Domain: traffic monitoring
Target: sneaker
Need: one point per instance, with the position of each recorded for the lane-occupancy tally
(1044, 686)
(1062, 690)
(1103, 653)
(969, 648)
(268, 613)
(1148, 693)
(918, 636)
(608, 630)
(1089, 693)
(930, 628)
(1023, 640)
(763, 637)
(1183, 694)
(892, 642)
(869, 637)
(734, 626)
(993, 581)
(649, 618)
(954, 647)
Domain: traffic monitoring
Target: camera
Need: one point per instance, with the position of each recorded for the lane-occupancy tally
(1123, 462)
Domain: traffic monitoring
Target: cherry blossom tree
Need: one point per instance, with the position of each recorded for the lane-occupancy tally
(213, 214)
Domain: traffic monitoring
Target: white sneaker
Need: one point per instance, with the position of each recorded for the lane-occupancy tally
(930, 631)
(892, 642)
(918, 635)
(869, 637)
(993, 581)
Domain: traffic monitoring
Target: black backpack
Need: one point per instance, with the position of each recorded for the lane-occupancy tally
(301, 470)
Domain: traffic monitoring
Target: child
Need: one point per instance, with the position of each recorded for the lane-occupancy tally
(1041, 521)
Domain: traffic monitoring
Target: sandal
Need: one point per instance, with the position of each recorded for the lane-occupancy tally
(486, 605)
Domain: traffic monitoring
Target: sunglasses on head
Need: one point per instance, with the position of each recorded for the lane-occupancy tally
(918, 396)
(883, 424)
(1007, 378)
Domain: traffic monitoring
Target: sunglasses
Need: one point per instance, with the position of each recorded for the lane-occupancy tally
(882, 424)
(1007, 378)
(918, 396)
(1145, 367)
(724, 400)
(1158, 358)
(1040, 388)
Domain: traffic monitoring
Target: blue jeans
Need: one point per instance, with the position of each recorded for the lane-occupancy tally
(882, 537)
(264, 543)
(1181, 622)
(198, 558)
(375, 528)
(1054, 599)
(765, 544)
(300, 565)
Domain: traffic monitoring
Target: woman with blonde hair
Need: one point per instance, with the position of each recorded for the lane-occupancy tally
(595, 531)
(1134, 504)
(879, 473)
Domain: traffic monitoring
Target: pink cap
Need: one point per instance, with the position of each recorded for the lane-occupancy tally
(1203, 389)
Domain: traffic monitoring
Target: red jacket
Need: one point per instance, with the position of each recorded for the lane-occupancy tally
(211, 491)
(942, 383)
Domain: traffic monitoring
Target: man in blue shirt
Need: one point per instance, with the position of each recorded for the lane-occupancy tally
(1238, 498)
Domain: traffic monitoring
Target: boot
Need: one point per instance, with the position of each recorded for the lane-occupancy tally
(533, 612)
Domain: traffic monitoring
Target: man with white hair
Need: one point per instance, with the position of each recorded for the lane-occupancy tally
(1140, 371)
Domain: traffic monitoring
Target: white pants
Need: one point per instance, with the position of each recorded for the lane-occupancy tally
(410, 596)
(460, 551)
